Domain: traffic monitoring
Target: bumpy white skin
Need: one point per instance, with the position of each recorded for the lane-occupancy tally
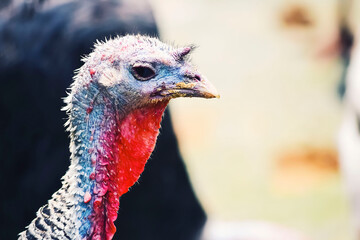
(106, 84)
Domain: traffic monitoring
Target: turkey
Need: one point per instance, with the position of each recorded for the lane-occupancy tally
(114, 108)
(41, 42)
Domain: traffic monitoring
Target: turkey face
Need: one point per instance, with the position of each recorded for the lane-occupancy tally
(148, 76)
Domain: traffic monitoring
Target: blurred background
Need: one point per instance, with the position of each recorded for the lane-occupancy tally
(267, 150)
(276, 157)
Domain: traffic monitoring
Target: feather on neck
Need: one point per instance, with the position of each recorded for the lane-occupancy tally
(109, 152)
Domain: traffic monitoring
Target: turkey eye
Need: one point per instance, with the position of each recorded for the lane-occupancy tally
(143, 73)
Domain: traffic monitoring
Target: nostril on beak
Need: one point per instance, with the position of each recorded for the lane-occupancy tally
(192, 76)
(197, 77)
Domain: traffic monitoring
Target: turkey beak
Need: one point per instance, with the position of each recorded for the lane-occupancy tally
(190, 85)
(195, 85)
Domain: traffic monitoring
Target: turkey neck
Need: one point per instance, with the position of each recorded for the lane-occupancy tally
(109, 150)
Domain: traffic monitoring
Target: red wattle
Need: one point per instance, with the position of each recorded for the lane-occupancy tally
(121, 160)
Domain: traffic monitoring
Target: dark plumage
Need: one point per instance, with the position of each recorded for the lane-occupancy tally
(40, 46)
